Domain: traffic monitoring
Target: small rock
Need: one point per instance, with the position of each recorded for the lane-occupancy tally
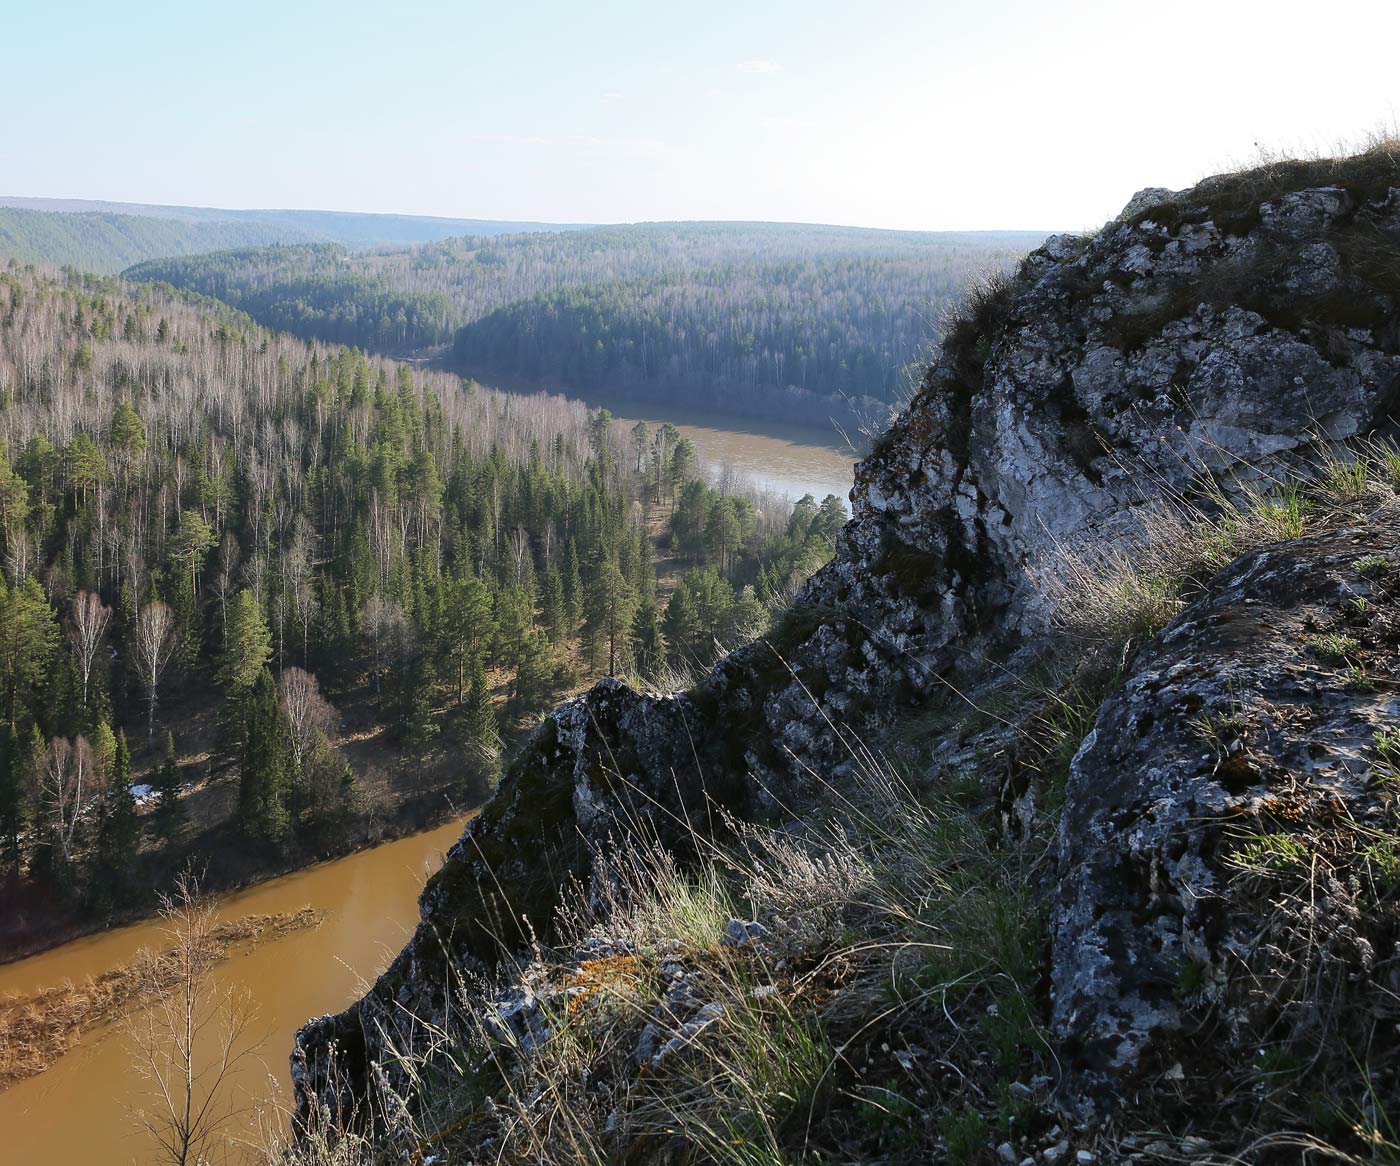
(1056, 1152)
(1007, 1153)
(741, 933)
(1194, 1147)
(1084, 1157)
(1020, 1090)
(1145, 200)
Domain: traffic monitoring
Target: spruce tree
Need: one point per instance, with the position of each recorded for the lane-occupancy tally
(572, 581)
(552, 615)
(119, 830)
(417, 726)
(247, 645)
(648, 648)
(263, 768)
(14, 800)
(678, 626)
(482, 735)
(533, 684)
(170, 810)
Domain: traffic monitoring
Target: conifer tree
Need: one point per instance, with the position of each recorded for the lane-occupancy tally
(482, 735)
(14, 798)
(417, 725)
(119, 830)
(263, 768)
(533, 683)
(648, 648)
(678, 626)
(247, 646)
(170, 810)
(552, 613)
(609, 617)
(572, 582)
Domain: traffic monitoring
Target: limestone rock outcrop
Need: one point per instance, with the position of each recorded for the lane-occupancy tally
(1224, 876)
(1203, 339)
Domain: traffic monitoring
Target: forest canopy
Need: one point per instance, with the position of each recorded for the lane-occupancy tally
(767, 318)
(321, 582)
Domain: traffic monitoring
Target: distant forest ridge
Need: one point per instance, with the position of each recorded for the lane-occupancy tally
(104, 237)
(763, 318)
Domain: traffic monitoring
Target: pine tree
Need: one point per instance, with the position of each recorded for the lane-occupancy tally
(723, 533)
(610, 605)
(467, 626)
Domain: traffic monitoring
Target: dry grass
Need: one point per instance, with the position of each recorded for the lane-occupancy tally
(648, 1028)
(1108, 599)
(1369, 168)
(36, 1030)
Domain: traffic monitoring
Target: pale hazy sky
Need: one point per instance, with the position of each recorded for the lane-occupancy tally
(923, 114)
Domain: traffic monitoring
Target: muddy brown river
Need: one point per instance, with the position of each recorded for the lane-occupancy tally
(786, 459)
(79, 1112)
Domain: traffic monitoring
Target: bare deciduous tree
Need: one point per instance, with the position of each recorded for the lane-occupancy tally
(189, 1042)
(86, 631)
(385, 625)
(309, 714)
(155, 643)
(72, 785)
(226, 578)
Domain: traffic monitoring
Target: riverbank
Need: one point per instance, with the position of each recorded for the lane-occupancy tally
(34, 921)
(744, 406)
(38, 1028)
(369, 905)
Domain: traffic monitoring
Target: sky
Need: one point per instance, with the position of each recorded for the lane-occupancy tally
(914, 114)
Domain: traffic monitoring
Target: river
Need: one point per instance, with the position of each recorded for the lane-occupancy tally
(789, 459)
(78, 1113)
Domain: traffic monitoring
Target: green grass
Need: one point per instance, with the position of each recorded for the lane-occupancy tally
(1334, 646)
(1272, 854)
(966, 1134)
(1373, 566)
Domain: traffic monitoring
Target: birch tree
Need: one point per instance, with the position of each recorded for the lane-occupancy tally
(87, 632)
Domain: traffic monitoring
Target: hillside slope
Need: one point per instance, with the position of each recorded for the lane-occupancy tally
(105, 243)
(1154, 466)
(208, 528)
(352, 228)
(777, 318)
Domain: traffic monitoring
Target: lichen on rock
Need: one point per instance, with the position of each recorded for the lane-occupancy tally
(1204, 345)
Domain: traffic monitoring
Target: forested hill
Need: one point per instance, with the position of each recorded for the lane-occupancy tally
(300, 592)
(756, 317)
(104, 243)
(104, 237)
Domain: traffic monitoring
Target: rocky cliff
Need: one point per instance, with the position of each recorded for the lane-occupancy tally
(1197, 351)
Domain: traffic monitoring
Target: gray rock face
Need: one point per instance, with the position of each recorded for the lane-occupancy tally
(1165, 352)
(1254, 716)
